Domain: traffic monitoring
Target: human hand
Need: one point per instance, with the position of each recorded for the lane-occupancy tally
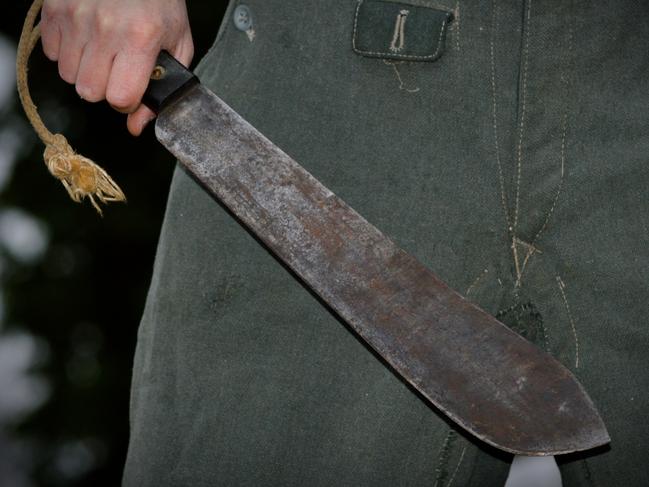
(108, 48)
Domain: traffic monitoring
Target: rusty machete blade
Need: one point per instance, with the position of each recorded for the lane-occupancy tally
(485, 377)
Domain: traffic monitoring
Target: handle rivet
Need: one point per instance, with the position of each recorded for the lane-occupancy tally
(158, 73)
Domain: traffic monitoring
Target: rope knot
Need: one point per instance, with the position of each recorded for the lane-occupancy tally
(79, 175)
(57, 156)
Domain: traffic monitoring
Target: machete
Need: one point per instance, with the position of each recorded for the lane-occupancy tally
(485, 377)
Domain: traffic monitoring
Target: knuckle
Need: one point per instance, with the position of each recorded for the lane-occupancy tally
(121, 100)
(77, 11)
(175, 24)
(51, 9)
(105, 21)
(80, 13)
(144, 34)
(69, 9)
(89, 93)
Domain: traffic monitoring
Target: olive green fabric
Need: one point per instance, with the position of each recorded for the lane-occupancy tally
(515, 166)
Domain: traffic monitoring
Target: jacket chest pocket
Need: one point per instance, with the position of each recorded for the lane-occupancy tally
(393, 30)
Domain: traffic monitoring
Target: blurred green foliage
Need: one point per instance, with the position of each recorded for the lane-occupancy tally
(84, 298)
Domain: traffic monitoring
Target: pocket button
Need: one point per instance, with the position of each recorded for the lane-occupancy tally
(242, 18)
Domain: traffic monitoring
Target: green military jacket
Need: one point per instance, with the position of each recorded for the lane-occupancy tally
(507, 149)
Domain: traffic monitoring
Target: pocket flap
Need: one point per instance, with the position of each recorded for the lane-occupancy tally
(393, 30)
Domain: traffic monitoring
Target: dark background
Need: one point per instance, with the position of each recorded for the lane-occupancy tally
(71, 309)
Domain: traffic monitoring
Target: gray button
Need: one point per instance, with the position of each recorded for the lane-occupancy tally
(242, 18)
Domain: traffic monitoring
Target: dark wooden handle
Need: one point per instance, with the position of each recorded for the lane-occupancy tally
(169, 80)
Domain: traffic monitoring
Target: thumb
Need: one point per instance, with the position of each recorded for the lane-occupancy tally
(139, 119)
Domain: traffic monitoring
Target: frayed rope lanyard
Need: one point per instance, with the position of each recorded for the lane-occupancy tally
(79, 175)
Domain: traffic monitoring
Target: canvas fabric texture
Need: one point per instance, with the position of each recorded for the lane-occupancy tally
(515, 166)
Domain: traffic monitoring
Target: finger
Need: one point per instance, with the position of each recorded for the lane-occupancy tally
(50, 32)
(50, 39)
(139, 119)
(94, 71)
(70, 56)
(129, 78)
(184, 50)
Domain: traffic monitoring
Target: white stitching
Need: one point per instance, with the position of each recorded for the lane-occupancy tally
(402, 86)
(522, 124)
(501, 178)
(399, 31)
(517, 265)
(442, 458)
(564, 124)
(560, 187)
(457, 468)
(392, 55)
(562, 288)
(531, 247)
(475, 282)
(531, 250)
